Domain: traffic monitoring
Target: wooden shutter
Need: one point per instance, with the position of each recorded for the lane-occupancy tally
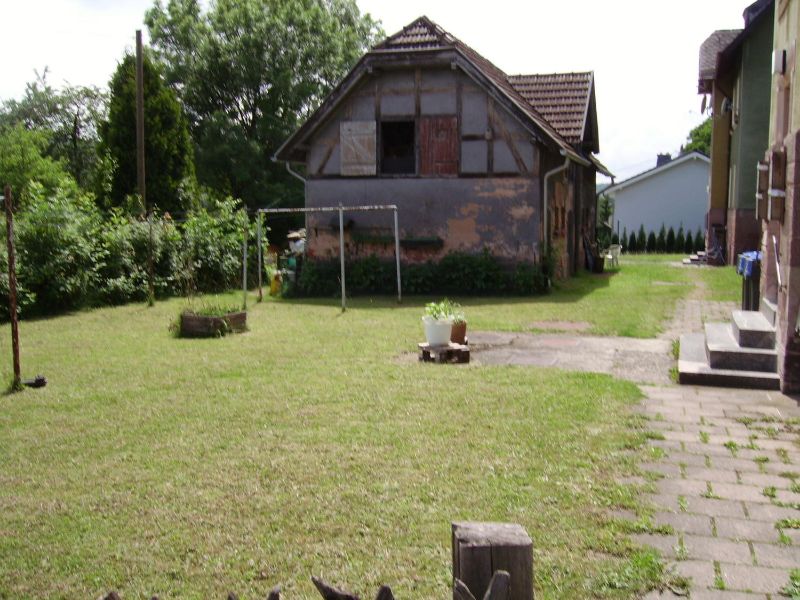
(438, 145)
(357, 142)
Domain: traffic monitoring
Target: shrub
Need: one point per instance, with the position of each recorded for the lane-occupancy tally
(57, 240)
(661, 240)
(699, 241)
(212, 245)
(651, 242)
(641, 239)
(671, 240)
(633, 243)
(615, 239)
(624, 239)
(456, 273)
(688, 246)
(680, 240)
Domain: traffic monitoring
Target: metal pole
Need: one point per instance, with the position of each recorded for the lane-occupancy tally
(341, 252)
(244, 264)
(12, 289)
(260, 267)
(397, 256)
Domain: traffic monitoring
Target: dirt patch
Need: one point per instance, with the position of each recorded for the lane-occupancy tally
(561, 325)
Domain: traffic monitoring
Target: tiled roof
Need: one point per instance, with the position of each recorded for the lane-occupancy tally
(714, 44)
(561, 98)
(537, 95)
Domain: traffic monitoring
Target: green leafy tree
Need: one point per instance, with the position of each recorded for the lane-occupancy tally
(168, 148)
(699, 139)
(23, 163)
(69, 117)
(248, 71)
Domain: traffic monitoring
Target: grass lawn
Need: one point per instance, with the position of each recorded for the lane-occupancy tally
(312, 445)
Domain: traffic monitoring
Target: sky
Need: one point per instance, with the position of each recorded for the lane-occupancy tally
(644, 53)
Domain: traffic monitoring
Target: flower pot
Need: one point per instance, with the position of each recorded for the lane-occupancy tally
(458, 333)
(437, 331)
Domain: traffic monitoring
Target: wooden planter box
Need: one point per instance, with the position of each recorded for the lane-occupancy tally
(202, 326)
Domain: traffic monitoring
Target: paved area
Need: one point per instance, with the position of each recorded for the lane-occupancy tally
(729, 488)
(640, 361)
(729, 478)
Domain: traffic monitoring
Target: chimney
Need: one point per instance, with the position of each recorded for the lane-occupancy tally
(662, 159)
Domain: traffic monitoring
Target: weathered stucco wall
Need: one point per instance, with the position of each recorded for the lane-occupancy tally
(480, 190)
(466, 214)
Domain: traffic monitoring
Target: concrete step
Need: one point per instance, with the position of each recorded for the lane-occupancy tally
(752, 329)
(768, 309)
(693, 369)
(724, 352)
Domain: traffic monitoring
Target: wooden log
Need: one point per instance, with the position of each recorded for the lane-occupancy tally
(331, 593)
(275, 593)
(499, 587)
(481, 549)
(461, 591)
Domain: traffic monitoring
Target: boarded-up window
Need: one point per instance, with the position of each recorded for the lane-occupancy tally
(357, 140)
(438, 145)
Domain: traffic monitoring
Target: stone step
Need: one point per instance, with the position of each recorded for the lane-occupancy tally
(752, 329)
(725, 353)
(768, 309)
(693, 369)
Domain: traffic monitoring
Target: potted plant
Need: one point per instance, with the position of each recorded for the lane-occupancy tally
(438, 323)
(458, 332)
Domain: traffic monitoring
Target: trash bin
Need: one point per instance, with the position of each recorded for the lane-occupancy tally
(749, 267)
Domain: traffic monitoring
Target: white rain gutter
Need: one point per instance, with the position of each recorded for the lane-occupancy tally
(547, 176)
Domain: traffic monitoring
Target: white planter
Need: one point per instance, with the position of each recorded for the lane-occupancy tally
(437, 332)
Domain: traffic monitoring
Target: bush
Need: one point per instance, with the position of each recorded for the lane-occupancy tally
(661, 240)
(457, 273)
(699, 241)
(57, 239)
(651, 243)
(212, 246)
(671, 241)
(633, 244)
(641, 239)
(680, 240)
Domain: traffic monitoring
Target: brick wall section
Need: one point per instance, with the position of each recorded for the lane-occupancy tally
(789, 295)
(744, 233)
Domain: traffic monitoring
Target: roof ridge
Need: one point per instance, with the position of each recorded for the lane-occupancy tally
(591, 72)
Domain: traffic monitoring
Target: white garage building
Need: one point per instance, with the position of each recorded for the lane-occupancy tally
(673, 194)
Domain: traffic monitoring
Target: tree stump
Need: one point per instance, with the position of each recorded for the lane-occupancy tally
(480, 549)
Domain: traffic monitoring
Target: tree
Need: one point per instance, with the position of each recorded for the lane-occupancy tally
(680, 240)
(69, 117)
(699, 139)
(641, 239)
(168, 148)
(651, 242)
(624, 239)
(699, 241)
(670, 240)
(633, 244)
(22, 163)
(248, 71)
(661, 240)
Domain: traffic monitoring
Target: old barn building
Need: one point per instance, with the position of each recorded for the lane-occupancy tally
(473, 158)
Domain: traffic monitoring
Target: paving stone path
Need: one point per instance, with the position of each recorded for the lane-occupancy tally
(729, 481)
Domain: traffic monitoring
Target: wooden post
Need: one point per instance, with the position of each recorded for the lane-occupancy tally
(12, 288)
(397, 256)
(140, 174)
(260, 265)
(481, 549)
(341, 252)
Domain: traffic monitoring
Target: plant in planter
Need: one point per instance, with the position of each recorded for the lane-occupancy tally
(211, 320)
(458, 332)
(438, 323)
